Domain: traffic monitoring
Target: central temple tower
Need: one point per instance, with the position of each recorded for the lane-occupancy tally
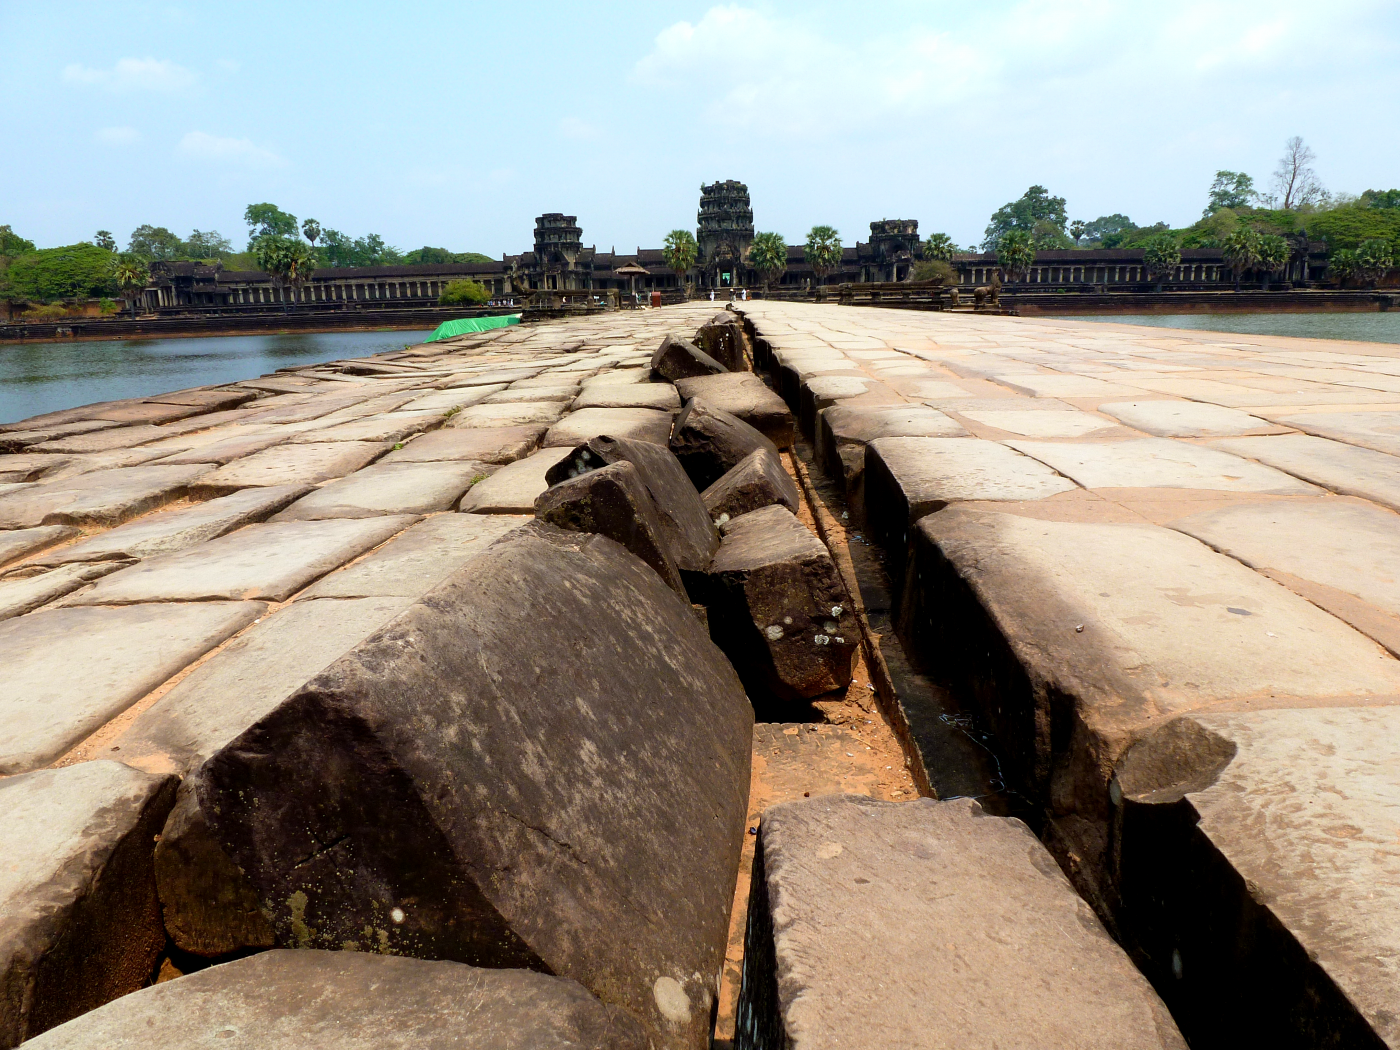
(558, 245)
(724, 234)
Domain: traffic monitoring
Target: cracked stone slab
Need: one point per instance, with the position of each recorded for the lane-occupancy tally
(498, 445)
(314, 1000)
(1343, 468)
(389, 488)
(390, 426)
(849, 893)
(77, 889)
(1187, 419)
(70, 670)
(745, 396)
(291, 465)
(514, 488)
(1042, 424)
(660, 396)
(269, 561)
(514, 415)
(1379, 431)
(1159, 463)
(22, 594)
(637, 424)
(102, 497)
(17, 543)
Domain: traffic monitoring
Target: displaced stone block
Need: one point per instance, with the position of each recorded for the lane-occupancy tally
(843, 431)
(746, 396)
(480, 444)
(77, 891)
(660, 396)
(759, 480)
(289, 465)
(678, 358)
(612, 501)
(375, 806)
(639, 424)
(514, 488)
(103, 497)
(787, 623)
(691, 536)
(710, 442)
(389, 488)
(722, 338)
(849, 894)
(312, 1000)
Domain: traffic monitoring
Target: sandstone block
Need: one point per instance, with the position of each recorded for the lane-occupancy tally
(1186, 418)
(612, 501)
(746, 396)
(1159, 463)
(211, 399)
(722, 338)
(1379, 431)
(387, 426)
(514, 488)
(660, 396)
(843, 431)
(103, 497)
(26, 590)
(1342, 468)
(850, 893)
(528, 413)
(389, 488)
(786, 624)
(77, 890)
(679, 358)
(480, 444)
(17, 543)
(639, 424)
(222, 445)
(759, 480)
(101, 440)
(710, 442)
(555, 391)
(313, 1000)
(290, 465)
(374, 806)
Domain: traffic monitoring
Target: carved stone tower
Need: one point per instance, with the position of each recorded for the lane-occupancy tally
(725, 232)
(895, 245)
(557, 248)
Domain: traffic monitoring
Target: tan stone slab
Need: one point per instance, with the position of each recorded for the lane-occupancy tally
(1187, 419)
(17, 543)
(478, 444)
(210, 399)
(390, 426)
(513, 488)
(389, 488)
(70, 670)
(1041, 424)
(20, 594)
(1047, 385)
(1374, 430)
(447, 400)
(147, 412)
(103, 497)
(1348, 469)
(1159, 463)
(74, 466)
(640, 424)
(490, 377)
(945, 470)
(228, 444)
(662, 396)
(530, 413)
(517, 395)
(270, 561)
(292, 465)
(101, 440)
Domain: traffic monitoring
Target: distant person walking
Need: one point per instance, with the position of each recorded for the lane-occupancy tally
(712, 295)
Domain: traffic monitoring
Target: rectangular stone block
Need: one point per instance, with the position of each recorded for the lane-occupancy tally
(637, 424)
(68, 671)
(1159, 463)
(843, 431)
(389, 488)
(103, 497)
(851, 895)
(758, 481)
(479, 444)
(1379, 431)
(101, 440)
(17, 543)
(555, 391)
(1187, 418)
(1340, 467)
(514, 488)
(24, 592)
(291, 465)
(660, 396)
(529, 413)
(746, 396)
(386, 426)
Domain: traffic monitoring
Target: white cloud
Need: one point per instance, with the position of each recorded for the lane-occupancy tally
(133, 74)
(122, 136)
(200, 145)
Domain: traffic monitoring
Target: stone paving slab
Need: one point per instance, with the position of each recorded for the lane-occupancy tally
(638, 424)
(446, 400)
(1374, 430)
(513, 415)
(746, 396)
(101, 440)
(103, 497)
(270, 561)
(19, 467)
(514, 488)
(1343, 468)
(660, 396)
(498, 445)
(1041, 424)
(74, 466)
(391, 426)
(291, 465)
(70, 670)
(20, 594)
(225, 445)
(1159, 463)
(1187, 419)
(77, 890)
(389, 488)
(17, 543)
(516, 395)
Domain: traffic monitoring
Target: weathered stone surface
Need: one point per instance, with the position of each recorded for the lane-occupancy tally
(639, 424)
(390, 426)
(175, 530)
(514, 488)
(417, 559)
(101, 440)
(22, 592)
(759, 480)
(850, 893)
(722, 338)
(1042, 424)
(291, 465)
(843, 431)
(389, 488)
(1379, 431)
(746, 396)
(479, 444)
(710, 442)
(612, 501)
(222, 445)
(491, 377)
(1343, 468)
(104, 497)
(313, 1000)
(1159, 463)
(691, 535)
(77, 890)
(26, 467)
(660, 396)
(270, 561)
(17, 543)
(529, 413)
(211, 399)
(556, 391)
(18, 440)
(70, 670)
(67, 467)
(1186, 418)
(679, 358)
(485, 770)
(446, 400)
(785, 619)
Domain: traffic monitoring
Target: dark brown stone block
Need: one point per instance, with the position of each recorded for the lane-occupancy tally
(722, 338)
(678, 358)
(710, 442)
(613, 502)
(745, 395)
(542, 763)
(786, 622)
(286, 1000)
(758, 481)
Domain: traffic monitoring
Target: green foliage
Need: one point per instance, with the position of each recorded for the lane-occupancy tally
(1036, 213)
(1107, 226)
(339, 250)
(939, 246)
(768, 255)
(106, 306)
(310, 229)
(1374, 259)
(1242, 251)
(1076, 230)
(442, 255)
(12, 244)
(1016, 253)
(1380, 199)
(1274, 253)
(937, 271)
(1342, 264)
(1161, 255)
(1350, 225)
(130, 274)
(1231, 189)
(464, 293)
(822, 251)
(155, 242)
(208, 244)
(268, 220)
(680, 251)
(287, 260)
(104, 240)
(76, 271)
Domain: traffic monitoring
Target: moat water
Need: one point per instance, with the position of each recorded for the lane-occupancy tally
(1367, 328)
(45, 377)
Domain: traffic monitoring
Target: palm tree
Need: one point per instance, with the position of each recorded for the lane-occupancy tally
(275, 255)
(1374, 260)
(768, 255)
(1241, 252)
(680, 252)
(300, 265)
(1077, 230)
(1161, 255)
(311, 229)
(130, 274)
(822, 251)
(1274, 255)
(940, 246)
(1342, 264)
(1015, 253)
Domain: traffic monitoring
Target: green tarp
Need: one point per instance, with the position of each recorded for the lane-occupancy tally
(467, 325)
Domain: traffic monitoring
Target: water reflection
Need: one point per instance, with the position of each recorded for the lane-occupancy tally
(45, 377)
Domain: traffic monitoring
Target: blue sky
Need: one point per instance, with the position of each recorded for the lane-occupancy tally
(456, 124)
